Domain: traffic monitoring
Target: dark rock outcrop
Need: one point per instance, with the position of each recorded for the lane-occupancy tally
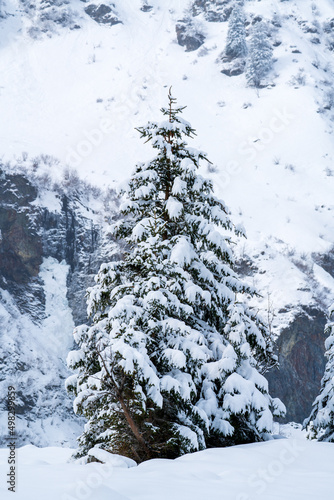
(37, 242)
(20, 244)
(326, 261)
(30, 232)
(103, 14)
(302, 363)
(186, 37)
(146, 8)
(234, 67)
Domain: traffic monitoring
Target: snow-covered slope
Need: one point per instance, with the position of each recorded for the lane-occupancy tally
(76, 89)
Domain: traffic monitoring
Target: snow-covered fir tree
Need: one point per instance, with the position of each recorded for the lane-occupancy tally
(173, 360)
(320, 423)
(260, 57)
(236, 45)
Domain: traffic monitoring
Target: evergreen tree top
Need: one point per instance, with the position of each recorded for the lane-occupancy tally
(172, 112)
(166, 196)
(171, 130)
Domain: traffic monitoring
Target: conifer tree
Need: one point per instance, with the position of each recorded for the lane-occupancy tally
(320, 423)
(260, 58)
(236, 36)
(173, 360)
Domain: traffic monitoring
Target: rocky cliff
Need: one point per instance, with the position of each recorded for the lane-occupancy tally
(301, 363)
(50, 250)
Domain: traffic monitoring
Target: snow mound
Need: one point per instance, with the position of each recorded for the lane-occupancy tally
(111, 458)
(284, 469)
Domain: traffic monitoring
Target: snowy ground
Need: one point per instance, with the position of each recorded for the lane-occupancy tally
(282, 469)
(78, 95)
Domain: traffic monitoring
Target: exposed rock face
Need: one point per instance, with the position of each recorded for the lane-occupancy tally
(146, 8)
(187, 37)
(20, 245)
(302, 362)
(103, 14)
(326, 261)
(48, 257)
(31, 232)
(233, 67)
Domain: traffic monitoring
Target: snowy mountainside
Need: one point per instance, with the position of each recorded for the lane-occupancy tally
(75, 84)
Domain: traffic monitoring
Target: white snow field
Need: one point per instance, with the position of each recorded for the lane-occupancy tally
(282, 469)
